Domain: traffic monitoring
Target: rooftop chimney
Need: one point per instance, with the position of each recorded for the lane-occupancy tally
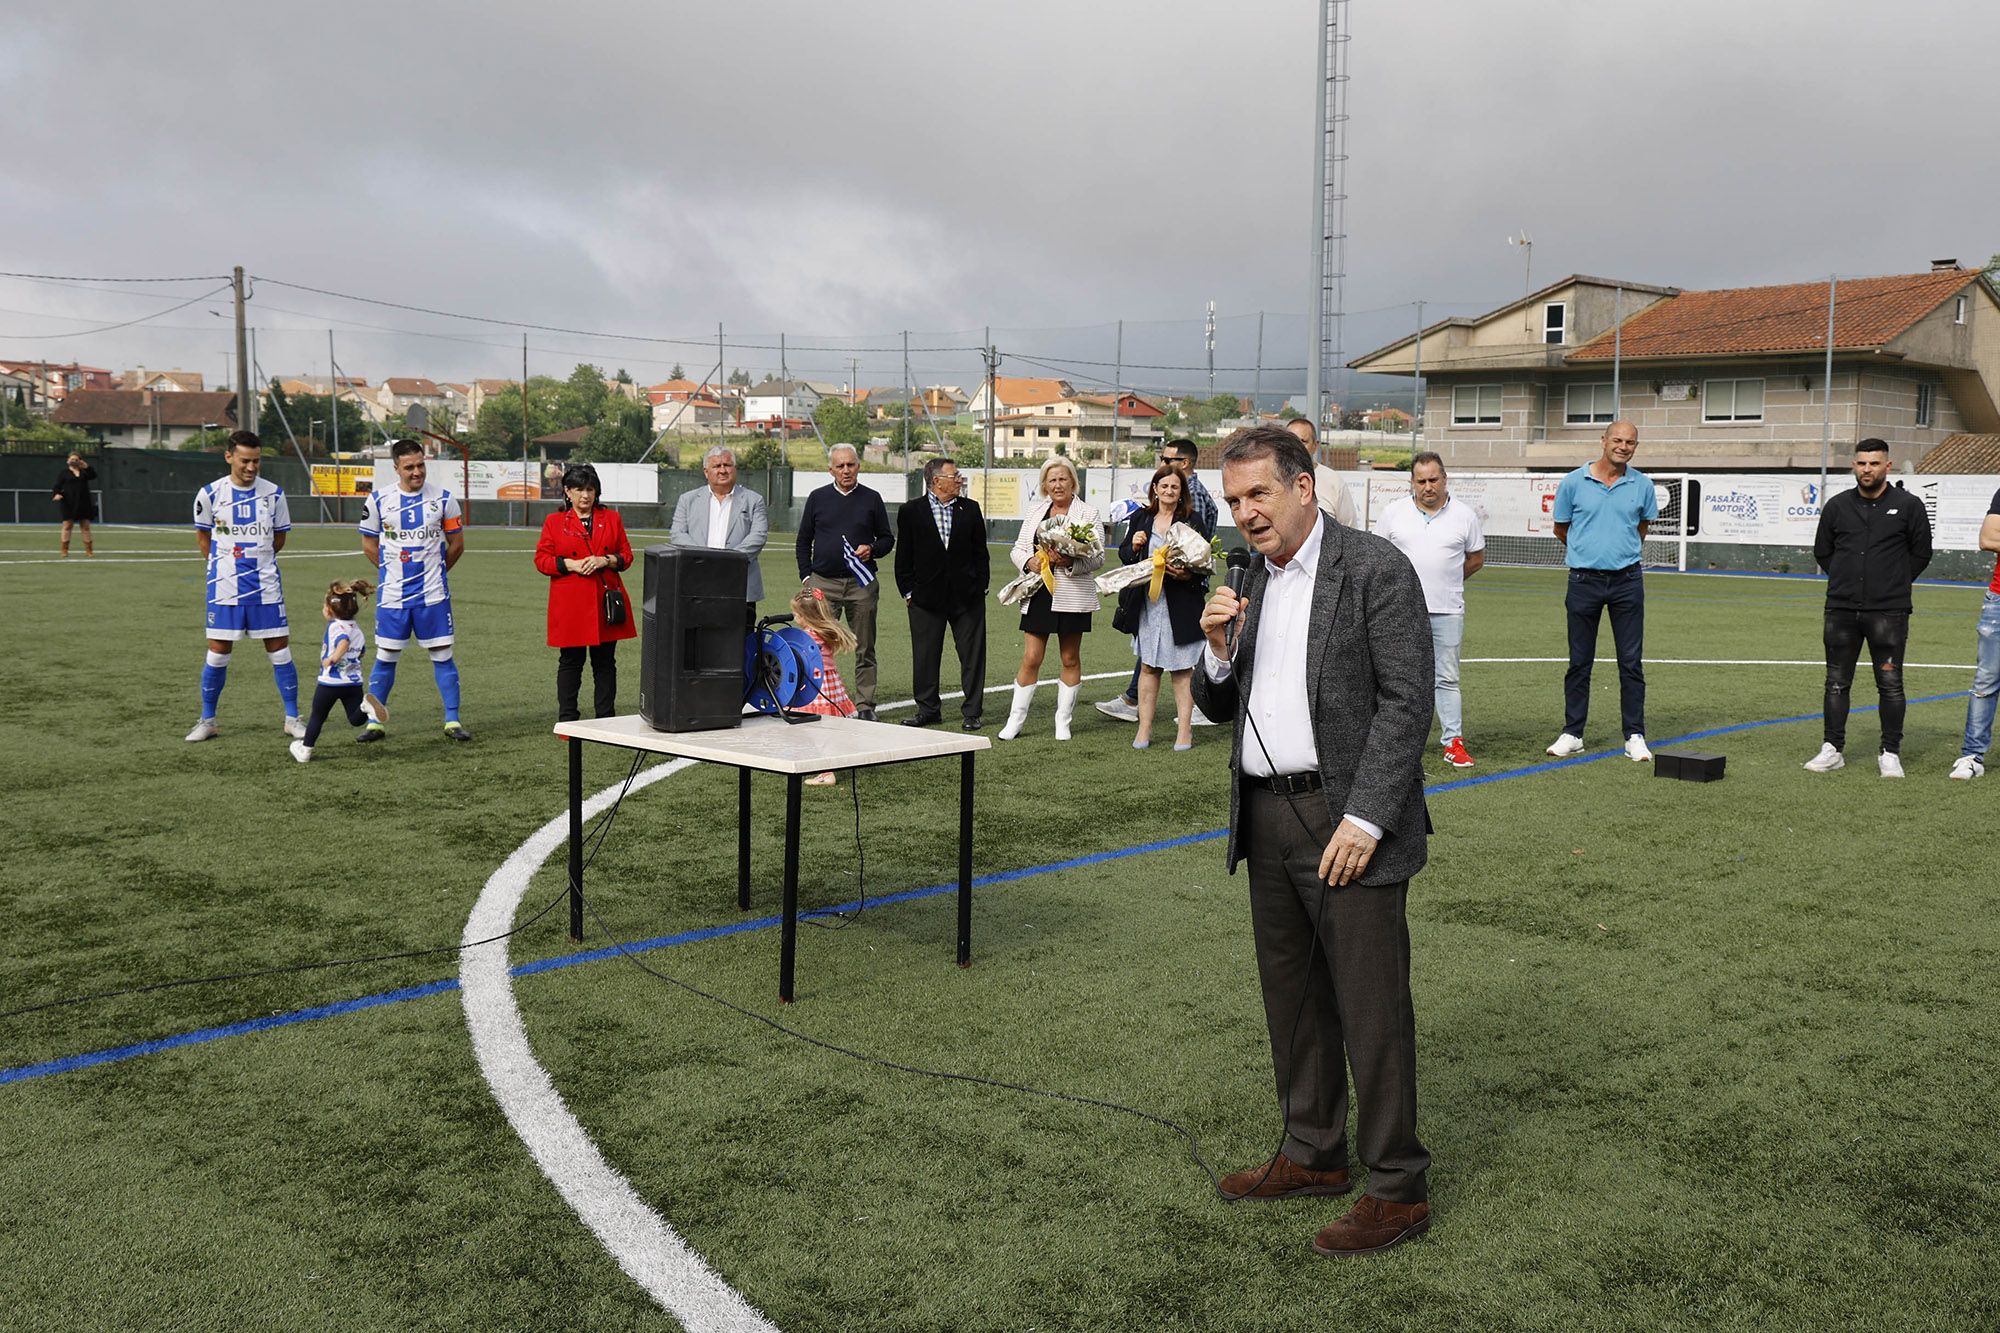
(1944, 265)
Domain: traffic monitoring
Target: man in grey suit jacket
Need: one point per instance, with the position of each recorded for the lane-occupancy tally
(1325, 662)
(744, 523)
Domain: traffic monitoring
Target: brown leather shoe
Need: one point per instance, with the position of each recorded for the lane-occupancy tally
(1282, 1178)
(1373, 1225)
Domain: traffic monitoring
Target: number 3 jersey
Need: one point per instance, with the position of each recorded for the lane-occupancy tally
(411, 529)
(242, 554)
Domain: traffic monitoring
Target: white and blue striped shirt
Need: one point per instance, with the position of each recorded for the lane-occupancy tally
(242, 553)
(412, 531)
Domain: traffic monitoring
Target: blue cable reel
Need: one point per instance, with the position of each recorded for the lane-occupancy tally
(782, 670)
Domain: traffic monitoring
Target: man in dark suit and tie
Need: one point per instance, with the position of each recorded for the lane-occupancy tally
(942, 572)
(1325, 663)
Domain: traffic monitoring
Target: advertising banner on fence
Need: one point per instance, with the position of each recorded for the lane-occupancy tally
(344, 480)
(489, 479)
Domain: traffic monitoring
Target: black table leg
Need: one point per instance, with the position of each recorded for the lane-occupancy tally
(743, 839)
(788, 948)
(575, 841)
(965, 859)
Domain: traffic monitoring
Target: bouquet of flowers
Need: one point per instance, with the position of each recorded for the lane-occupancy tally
(1185, 551)
(1058, 535)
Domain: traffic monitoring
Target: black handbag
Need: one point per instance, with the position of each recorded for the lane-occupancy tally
(614, 605)
(1131, 609)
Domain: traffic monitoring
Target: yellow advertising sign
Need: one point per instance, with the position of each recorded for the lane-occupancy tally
(1005, 499)
(342, 479)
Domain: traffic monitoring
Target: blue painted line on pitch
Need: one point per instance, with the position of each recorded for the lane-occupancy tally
(886, 900)
(91, 1059)
(200, 1036)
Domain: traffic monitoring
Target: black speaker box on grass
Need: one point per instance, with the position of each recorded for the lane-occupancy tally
(691, 638)
(1689, 765)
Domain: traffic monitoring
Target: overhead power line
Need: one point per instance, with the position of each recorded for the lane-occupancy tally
(70, 277)
(126, 324)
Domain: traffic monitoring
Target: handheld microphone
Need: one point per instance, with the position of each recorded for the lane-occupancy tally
(1239, 573)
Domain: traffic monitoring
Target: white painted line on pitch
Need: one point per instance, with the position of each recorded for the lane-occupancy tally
(1716, 661)
(645, 1246)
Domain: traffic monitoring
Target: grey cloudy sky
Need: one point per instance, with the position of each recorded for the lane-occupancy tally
(841, 172)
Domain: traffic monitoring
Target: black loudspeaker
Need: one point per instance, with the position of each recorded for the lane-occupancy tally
(691, 638)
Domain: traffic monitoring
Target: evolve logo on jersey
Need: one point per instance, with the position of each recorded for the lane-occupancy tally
(412, 531)
(242, 552)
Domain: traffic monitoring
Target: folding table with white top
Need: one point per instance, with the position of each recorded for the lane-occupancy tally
(795, 749)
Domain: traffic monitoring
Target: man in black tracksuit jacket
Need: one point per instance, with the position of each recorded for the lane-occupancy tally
(1872, 543)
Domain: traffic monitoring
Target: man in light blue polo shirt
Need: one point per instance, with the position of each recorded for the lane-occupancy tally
(1602, 512)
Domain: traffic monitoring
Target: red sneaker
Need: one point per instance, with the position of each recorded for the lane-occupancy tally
(1455, 755)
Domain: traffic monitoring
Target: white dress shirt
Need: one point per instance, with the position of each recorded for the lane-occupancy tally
(718, 516)
(1277, 703)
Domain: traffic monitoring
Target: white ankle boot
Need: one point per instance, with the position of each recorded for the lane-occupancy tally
(1017, 712)
(1065, 707)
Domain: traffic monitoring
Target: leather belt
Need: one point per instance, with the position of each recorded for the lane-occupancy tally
(1288, 784)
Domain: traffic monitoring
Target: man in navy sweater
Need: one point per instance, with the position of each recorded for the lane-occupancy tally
(843, 532)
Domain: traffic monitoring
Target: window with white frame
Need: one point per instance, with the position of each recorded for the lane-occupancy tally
(1926, 403)
(1588, 405)
(1732, 400)
(1555, 322)
(1475, 405)
(1958, 310)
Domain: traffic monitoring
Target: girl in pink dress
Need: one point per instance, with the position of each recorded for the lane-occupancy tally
(811, 613)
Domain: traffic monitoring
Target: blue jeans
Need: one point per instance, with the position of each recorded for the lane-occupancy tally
(1447, 638)
(1591, 593)
(1985, 681)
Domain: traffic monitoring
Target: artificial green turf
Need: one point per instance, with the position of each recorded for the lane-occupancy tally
(1693, 1056)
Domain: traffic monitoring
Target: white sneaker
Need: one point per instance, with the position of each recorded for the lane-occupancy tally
(295, 726)
(375, 709)
(1891, 766)
(1967, 768)
(1826, 761)
(301, 751)
(1201, 719)
(1565, 746)
(204, 730)
(1636, 751)
(1119, 707)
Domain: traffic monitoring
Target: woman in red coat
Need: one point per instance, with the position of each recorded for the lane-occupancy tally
(583, 547)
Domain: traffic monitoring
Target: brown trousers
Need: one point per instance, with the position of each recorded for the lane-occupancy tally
(1346, 1003)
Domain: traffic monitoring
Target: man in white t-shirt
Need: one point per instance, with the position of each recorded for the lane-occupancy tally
(1445, 539)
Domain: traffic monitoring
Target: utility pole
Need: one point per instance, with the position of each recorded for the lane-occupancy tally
(1826, 409)
(1257, 384)
(784, 390)
(853, 381)
(1417, 378)
(986, 471)
(784, 421)
(256, 378)
(1208, 337)
(244, 411)
(526, 477)
(1527, 274)
(333, 389)
(909, 401)
(1117, 400)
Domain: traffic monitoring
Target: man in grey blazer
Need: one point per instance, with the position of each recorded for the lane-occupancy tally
(727, 515)
(1325, 663)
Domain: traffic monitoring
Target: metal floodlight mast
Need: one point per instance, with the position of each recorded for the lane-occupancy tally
(1329, 282)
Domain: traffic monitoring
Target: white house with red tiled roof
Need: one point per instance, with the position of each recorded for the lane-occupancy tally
(1731, 378)
(401, 393)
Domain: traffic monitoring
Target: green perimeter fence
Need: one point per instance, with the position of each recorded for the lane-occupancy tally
(155, 486)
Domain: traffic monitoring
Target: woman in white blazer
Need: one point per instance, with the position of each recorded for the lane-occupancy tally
(1065, 613)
